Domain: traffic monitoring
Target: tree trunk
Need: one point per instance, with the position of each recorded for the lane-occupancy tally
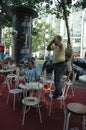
(66, 20)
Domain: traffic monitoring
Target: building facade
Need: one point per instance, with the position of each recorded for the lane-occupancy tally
(77, 26)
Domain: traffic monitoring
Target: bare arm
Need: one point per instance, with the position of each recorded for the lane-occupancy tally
(49, 46)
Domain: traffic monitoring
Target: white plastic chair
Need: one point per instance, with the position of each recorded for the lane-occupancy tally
(20, 78)
(12, 90)
(48, 83)
(31, 101)
(48, 79)
(71, 82)
(62, 98)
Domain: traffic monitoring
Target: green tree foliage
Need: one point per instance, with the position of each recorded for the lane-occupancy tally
(41, 34)
(7, 37)
(61, 9)
(35, 4)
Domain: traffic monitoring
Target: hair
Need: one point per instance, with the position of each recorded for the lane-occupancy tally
(12, 60)
(59, 37)
(31, 62)
(32, 58)
(69, 44)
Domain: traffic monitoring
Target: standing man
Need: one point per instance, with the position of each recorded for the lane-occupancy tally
(59, 63)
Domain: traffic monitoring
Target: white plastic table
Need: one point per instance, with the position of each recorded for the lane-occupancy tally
(31, 85)
(5, 72)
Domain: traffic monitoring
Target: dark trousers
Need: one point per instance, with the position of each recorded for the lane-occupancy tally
(59, 69)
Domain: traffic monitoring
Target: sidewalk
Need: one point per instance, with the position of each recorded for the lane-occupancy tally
(82, 80)
(79, 84)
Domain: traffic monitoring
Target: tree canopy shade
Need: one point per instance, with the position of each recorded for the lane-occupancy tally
(36, 4)
(7, 37)
(61, 8)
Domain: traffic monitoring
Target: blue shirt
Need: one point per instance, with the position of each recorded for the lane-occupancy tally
(31, 74)
(37, 67)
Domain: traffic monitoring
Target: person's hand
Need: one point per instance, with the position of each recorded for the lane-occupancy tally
(53, 41)
(56, 39)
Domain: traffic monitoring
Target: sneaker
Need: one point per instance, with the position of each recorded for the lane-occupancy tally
(55, 96)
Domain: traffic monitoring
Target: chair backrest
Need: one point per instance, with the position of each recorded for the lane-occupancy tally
(65, 89)
(46, 77)
(48, 81)
(17, 71)
(69, 83)
(74, 77)
(72, 81)
(9, 79)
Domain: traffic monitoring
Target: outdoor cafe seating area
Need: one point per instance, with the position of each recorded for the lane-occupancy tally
(38, 110)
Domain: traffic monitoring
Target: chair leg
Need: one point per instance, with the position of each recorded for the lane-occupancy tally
(72, 90)
(14, 102)
(84, 123)
(24, 114)
(66, 120)
(67, 123)
(7, 98)
(63, 103)
(22, 109)
(39, 113)
(65, 116)
(50, 107)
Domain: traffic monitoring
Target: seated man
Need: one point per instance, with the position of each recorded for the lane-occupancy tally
(12, 65)
(30, 73)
